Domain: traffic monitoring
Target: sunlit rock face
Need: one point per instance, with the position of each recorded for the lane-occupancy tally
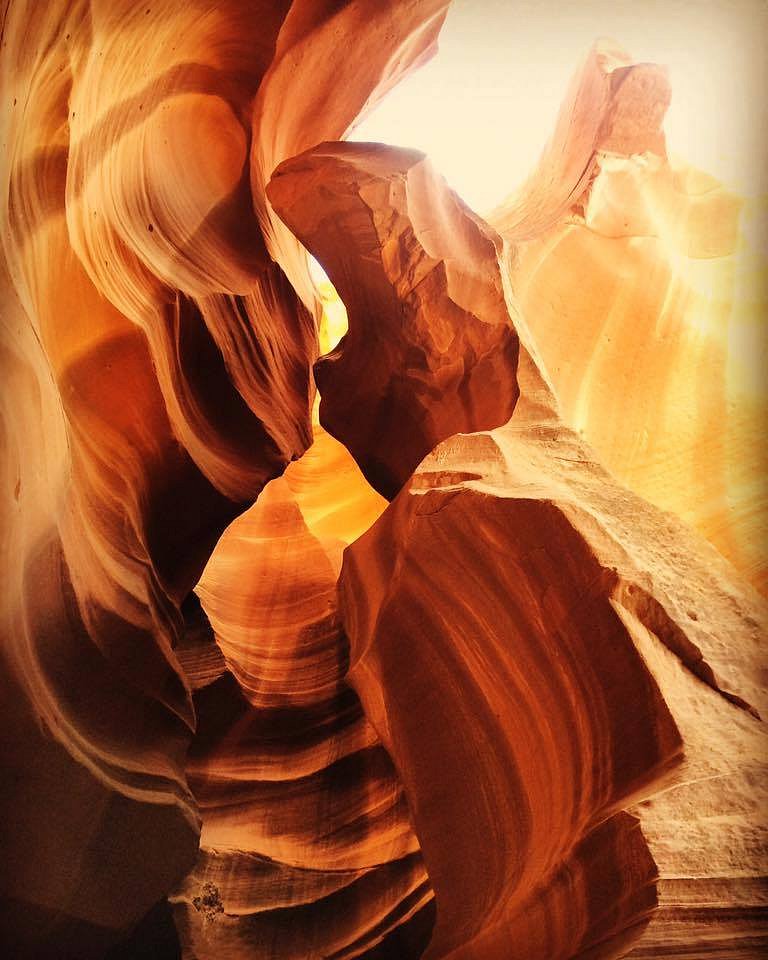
(252, 709)
(584, 617)
(644, 284)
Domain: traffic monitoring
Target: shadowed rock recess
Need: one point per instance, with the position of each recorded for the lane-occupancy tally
(466, 664)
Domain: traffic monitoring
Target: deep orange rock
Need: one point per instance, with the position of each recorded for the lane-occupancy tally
(573, 634)
(388, 233)
(513, 713)
(306, 841)
(156, 358)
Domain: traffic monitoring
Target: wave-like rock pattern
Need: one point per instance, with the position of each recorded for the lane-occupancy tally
(306, 846)
(513, 713)
(576, 636)
(157, 347)
(560, 601)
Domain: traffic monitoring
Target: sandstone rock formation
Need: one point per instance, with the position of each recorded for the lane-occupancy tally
(504, 593)
(156, 358)
(644, 279)
(406, 374)
(306, 838)
(515, 712)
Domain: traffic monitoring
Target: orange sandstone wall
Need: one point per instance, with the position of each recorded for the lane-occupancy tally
(422, 671)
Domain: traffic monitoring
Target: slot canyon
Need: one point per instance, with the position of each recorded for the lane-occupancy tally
(382, 578)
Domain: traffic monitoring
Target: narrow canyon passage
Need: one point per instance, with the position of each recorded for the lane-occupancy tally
(382, 579)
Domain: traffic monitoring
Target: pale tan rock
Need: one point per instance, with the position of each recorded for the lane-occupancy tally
(644, 284)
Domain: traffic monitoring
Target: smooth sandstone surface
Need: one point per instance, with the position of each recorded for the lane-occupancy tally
(306, 843)
(644, 280)
(250, 707)
(503, 593)
(157, 349)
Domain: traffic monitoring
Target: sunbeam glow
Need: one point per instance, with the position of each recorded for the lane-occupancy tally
(482, 109)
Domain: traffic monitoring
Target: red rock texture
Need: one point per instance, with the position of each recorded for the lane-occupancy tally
(428, 352)
(504, 593)
(157, 357)
(249, 707)
(306, 834)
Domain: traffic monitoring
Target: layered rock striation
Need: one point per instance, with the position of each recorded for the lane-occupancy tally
(158, 338)
(306, 847)
(423, 679)
(513, 590)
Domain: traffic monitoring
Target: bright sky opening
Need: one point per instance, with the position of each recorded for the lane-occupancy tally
(484, 107)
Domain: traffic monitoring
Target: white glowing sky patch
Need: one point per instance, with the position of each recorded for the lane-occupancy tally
(483, 108)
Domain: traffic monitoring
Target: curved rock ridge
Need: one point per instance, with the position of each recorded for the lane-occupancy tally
(614, 105)
(306, 846)
(354, 53)
(156, 360)
(644, 278)
(576, 652)
(388, 232)
(513, 713)
(537, 647)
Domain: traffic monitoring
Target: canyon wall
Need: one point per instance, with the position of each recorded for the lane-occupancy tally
(440, 635)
